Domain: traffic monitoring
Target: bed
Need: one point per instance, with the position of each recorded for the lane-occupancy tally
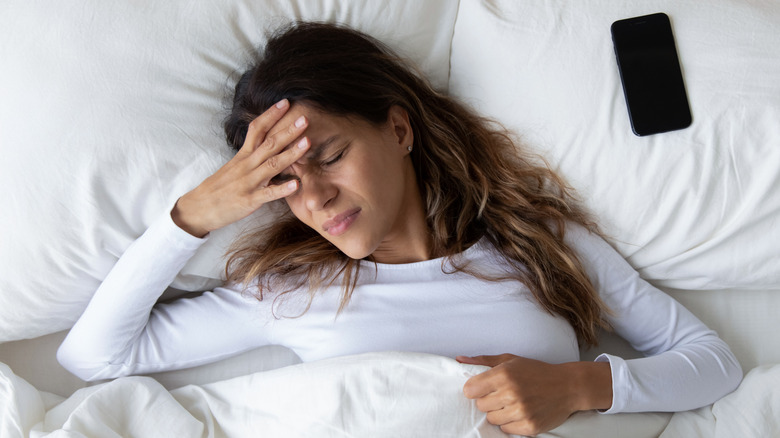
(111, 110)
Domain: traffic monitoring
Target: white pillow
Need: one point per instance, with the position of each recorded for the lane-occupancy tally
(691, 209)
(111, 111)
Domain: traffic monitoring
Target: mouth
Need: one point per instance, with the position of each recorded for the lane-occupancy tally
(340, 223)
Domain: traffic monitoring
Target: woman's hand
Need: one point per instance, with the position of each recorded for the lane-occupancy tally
(242, 185)
(527, 397)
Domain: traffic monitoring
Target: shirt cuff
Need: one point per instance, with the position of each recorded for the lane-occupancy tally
(175, 235)
(620, 382)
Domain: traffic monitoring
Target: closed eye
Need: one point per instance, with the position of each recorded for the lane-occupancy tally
(336, 158)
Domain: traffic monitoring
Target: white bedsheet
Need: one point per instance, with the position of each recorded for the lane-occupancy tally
(376, 395)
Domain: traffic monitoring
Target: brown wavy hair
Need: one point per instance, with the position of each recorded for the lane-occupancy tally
(475, 181)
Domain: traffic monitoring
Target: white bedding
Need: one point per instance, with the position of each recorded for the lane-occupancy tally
(694, 209)
(377, 394)
(109, 111)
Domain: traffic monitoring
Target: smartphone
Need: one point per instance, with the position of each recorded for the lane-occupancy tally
(651, 75)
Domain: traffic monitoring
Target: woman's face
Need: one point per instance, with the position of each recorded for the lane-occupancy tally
(357, 185)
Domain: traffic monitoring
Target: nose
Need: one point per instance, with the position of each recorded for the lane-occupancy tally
(317, 192)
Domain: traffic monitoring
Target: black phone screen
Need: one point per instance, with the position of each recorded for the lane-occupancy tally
(651, 75)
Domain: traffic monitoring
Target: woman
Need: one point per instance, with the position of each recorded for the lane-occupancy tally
(410, 224)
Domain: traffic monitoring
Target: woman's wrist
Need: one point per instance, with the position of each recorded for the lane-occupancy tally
(183, 221)
(592, 385)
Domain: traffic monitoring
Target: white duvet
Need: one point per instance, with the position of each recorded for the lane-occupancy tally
(369, 395)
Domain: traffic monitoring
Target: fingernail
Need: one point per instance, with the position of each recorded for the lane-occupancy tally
(301, 120)
(292, 185)
(282, 103)
(302, 144)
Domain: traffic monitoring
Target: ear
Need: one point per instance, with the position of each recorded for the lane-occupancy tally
(401, 129)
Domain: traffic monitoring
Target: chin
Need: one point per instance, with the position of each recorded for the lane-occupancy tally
(355, 250)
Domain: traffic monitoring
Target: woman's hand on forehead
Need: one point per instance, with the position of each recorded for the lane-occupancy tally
(273, 143)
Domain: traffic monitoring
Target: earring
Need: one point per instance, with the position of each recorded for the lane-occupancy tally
(409, 148)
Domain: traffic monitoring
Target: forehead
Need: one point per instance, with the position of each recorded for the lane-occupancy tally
(320, 123)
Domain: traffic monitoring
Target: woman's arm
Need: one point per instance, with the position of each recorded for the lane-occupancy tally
(122, 331)
(687, 366)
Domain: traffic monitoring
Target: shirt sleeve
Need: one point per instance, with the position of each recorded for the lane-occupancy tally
(124, 331)
(686, 365)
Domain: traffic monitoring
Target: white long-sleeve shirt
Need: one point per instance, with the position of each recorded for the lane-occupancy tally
(404, 307)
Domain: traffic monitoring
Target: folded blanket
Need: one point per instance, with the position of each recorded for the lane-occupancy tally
(375, 394)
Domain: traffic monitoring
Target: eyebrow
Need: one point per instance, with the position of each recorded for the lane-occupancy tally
(317, 150)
